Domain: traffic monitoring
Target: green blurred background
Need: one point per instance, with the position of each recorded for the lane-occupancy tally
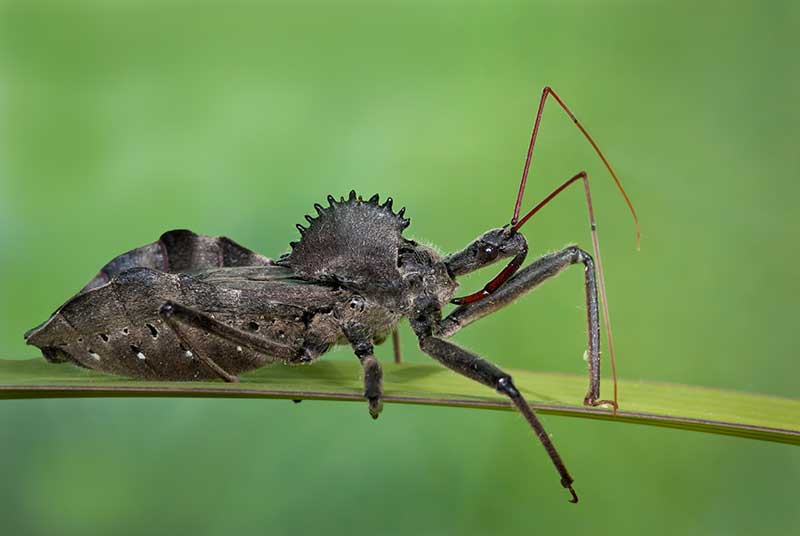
(121, 120)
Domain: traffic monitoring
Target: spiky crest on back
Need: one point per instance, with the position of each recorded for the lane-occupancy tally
(352, 242)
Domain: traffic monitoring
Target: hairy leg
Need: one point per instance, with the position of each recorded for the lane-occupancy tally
(361, 340)
(525, 281)
(398, 356)
(480, 370)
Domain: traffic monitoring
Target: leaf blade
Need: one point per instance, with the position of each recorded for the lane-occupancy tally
(685, 407)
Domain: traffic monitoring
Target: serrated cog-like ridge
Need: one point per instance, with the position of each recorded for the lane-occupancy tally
(352, 199)
(351, 239)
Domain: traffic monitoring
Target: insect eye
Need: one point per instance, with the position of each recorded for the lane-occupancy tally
(487, 252)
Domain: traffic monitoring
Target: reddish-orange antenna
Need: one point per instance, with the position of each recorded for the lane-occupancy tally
(549, 91)
(517, 223)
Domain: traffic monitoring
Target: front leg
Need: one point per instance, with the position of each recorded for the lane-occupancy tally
(480, 370)
(528, 279)
(361, 340)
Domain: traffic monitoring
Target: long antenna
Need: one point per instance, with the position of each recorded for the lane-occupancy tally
(516, 222)
(549, 91)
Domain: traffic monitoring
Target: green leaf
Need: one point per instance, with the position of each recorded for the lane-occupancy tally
(659, 404)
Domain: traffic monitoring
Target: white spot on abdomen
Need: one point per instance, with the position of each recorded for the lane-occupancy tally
(140, 355)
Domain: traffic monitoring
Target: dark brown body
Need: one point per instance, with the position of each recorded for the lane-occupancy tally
(191, 307)
(304, 302)
(116, 328)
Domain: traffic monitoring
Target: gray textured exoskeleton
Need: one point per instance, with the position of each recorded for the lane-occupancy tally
(191, 307)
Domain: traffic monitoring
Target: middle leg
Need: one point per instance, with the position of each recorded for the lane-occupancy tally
(398, 357)
(525, 281)
(361, 340)
(474, 367)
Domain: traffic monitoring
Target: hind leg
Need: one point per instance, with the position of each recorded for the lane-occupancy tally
(178, 317)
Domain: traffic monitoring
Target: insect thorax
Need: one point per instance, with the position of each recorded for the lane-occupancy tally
(359, 244)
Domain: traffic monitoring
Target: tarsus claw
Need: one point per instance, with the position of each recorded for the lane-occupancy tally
(574, 499)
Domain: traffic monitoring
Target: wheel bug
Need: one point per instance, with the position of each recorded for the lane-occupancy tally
(191, 307)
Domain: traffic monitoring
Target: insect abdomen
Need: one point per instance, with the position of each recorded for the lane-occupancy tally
(116, 329)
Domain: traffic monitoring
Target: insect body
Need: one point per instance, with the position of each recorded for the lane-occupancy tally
(191, 307)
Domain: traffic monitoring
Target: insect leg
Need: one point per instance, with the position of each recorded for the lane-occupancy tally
(525, 281)
(480, 370)
(361, 341)
(176, 316)
(398, 357)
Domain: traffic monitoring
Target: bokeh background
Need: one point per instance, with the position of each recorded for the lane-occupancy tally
(120, 120)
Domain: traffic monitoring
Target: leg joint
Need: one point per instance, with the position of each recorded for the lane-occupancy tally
(505, 386)
(363, 349)
(577, 254)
